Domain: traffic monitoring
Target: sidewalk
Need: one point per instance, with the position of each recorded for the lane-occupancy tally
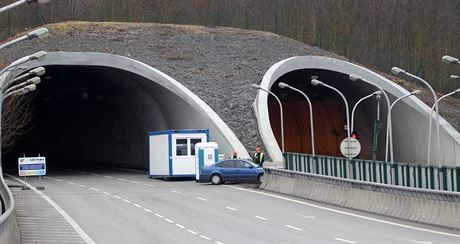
(39, 222)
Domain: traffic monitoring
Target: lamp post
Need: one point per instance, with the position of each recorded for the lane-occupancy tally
(281, 112)
(316, 82)
(396, 70)
(38, 33)
(399, 99)
(388, 139)
(312, 133)
(34, 80)
(39, 71)
(356, 105)
(21, 91)
(450, 59)
(21, 2)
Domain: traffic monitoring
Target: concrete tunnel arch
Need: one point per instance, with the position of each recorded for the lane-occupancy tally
(144, 99)
(410, 118)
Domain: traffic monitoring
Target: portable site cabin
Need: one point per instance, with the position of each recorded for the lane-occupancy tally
(172, 152)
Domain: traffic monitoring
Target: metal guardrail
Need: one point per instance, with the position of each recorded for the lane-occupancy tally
(399, 174)
(9, 230)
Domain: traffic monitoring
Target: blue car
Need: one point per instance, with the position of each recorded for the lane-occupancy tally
(234, 170)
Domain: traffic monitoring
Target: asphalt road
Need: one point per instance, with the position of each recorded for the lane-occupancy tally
(118, 206)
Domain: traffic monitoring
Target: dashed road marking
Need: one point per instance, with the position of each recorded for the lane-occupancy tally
(47, 177)
(94, 189)
(202, 199)
(158, 215)
(178, 192)
(205, 237)
(134, 182)
(180, 226)
(169, 221)
(147, 210)
(218, 242)
(137, 205)
(83, 186)
(343, 240)
(292, 227)
(230, 208)
(126, 200)
(69, 182)
(106, 193)
(259, 217)
(117, 196)
(122, 179)
(149, 185)
(58, 180)
(193, 232)
(108, 177)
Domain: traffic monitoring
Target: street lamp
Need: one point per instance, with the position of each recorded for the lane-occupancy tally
(388, 139)
(399, 99)
(34, 80)
(21, 2)
(431, 116)
(36, 56)
(316, 82)
(356, 105)
(39, 71)
(22, 91)
(312, 134)
(450, 59)
(455, 77)
(397, 71)
(38, 33)
(281, 112)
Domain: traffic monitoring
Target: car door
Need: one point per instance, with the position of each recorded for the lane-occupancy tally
(227, 170)
(244, 171)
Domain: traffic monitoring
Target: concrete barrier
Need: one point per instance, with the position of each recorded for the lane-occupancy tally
(9, 229)
(439, 208)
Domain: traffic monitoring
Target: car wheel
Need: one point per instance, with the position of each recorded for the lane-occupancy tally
(216, 179)
(260, 177)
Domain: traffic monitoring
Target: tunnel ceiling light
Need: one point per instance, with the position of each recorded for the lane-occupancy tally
(397, 71)
(450, 59)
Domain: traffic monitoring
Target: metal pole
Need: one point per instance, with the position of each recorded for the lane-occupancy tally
(312, 133)
(13, 5)
(376, 131)
(354, 108)
(281, 115)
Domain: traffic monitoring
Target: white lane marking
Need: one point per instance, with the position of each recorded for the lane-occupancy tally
(126, 200)
(218, 242)
(106, 193)
(169, 221)
(347, 241)
(345, 213)
(94, 189)
(308, 217)
(230, 208)
(137, 205)
(178, 192)
(180, 226)
(205, 237)
(58, 180)
(47, 177)
(93, 174)
(292, 227)
(259, 217)
(202, 199)
(134, 182)
(83, 186)
(117, 196)
(108, 177)
(122, 179)
(422, 242)
(159, 216)
(193, 232)
(69, 219)
(148, 185)
(69, 182)
(147, 210)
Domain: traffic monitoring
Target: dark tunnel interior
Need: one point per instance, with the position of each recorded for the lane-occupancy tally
(92, 115)
(328, 113)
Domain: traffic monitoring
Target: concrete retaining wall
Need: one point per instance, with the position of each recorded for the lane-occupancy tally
(9, 229)
(437, 208)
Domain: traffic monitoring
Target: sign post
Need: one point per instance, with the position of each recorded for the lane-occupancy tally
(32, 166)
(353, 150)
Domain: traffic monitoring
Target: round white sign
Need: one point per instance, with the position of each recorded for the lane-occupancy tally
(353, 150)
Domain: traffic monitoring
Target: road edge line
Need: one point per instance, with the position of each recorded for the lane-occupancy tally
(66, 216)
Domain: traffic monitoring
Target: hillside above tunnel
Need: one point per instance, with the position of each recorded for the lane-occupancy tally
(217, 64)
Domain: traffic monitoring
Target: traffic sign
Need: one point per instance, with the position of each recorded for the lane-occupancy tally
(353, 150)
(32, 166)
